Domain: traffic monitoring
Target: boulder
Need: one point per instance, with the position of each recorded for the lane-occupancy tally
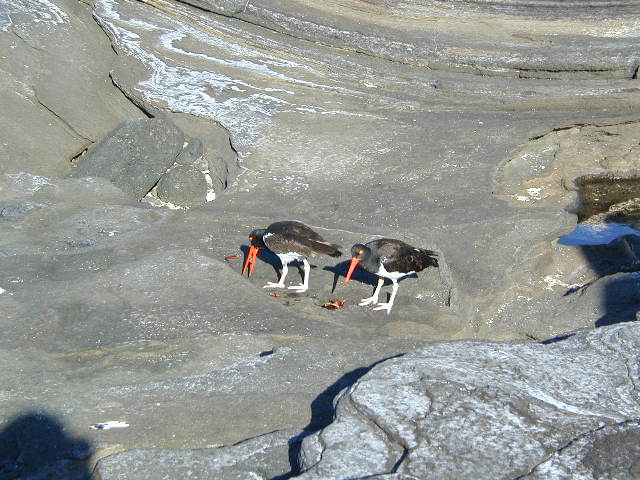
(489, 410)
(183, 185)
(191, 153)
(134, 156)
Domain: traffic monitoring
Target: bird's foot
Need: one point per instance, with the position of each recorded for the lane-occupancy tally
(384, 306)
(274, 285)
(368, 301)
(299, 288)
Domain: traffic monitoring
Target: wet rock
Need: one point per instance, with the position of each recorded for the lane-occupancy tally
(486, 410)
(183, 185)
(134, 156)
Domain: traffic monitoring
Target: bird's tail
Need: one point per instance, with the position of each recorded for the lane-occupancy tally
(330, 249)
(428, 258)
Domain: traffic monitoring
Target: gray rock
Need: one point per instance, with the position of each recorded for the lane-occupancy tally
(487, 410)
(16, 210)
(134, 156)
(57, 98)
(112, 310)
(191, 152)
(183, 185)
(259, 458)
(148, 324)
(427, 36)
(610, 452)
(334, 160)
(219, 157)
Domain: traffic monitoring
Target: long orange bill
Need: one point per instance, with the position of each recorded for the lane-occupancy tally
(352, 267)
(251, 259)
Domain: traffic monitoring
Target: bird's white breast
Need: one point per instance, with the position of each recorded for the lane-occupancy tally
(289, 257)
(395, 275)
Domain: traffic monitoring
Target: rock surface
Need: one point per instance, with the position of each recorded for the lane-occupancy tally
(134, 156)
(183, 185)
(55, 86)
(483, 410)
(259, 458)
(419, 120)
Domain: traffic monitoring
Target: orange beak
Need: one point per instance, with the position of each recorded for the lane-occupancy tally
(251, 259)
(352, 267)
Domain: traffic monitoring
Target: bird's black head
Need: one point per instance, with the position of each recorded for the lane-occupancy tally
(360, 251)
(255, 238)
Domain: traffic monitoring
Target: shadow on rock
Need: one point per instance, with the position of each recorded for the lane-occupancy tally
(557, 339)
(621, 301)
(620, 293)
(35, 445)
(322, 413)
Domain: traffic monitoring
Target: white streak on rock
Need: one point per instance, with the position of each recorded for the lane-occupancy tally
(109, 425)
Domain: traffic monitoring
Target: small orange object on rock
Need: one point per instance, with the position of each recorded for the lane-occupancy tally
(333, 304)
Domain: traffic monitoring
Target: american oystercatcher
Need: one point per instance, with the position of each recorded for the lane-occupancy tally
(392, 259)
(290, 241)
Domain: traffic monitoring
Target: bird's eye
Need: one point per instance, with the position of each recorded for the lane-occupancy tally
(250, 238)
(360, 252)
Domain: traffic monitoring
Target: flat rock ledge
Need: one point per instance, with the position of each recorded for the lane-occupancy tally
(452, 410)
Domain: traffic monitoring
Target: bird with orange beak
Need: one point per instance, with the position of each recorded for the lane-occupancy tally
(392, 259)
(290, 241)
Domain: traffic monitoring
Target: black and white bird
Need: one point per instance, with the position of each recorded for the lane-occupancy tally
(392, 259)
(290, 241)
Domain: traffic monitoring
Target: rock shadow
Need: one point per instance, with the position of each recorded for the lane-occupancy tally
(559, 338)
(621, 295)
(322, 414)
(35, 445)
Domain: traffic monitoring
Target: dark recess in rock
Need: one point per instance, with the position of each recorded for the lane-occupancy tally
(598, 192)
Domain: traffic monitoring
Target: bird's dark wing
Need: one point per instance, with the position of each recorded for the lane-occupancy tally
(285, 243)
(293, 228)
(398, 256)
(292, 236)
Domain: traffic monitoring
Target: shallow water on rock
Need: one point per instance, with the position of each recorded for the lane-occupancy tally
(597, 234)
